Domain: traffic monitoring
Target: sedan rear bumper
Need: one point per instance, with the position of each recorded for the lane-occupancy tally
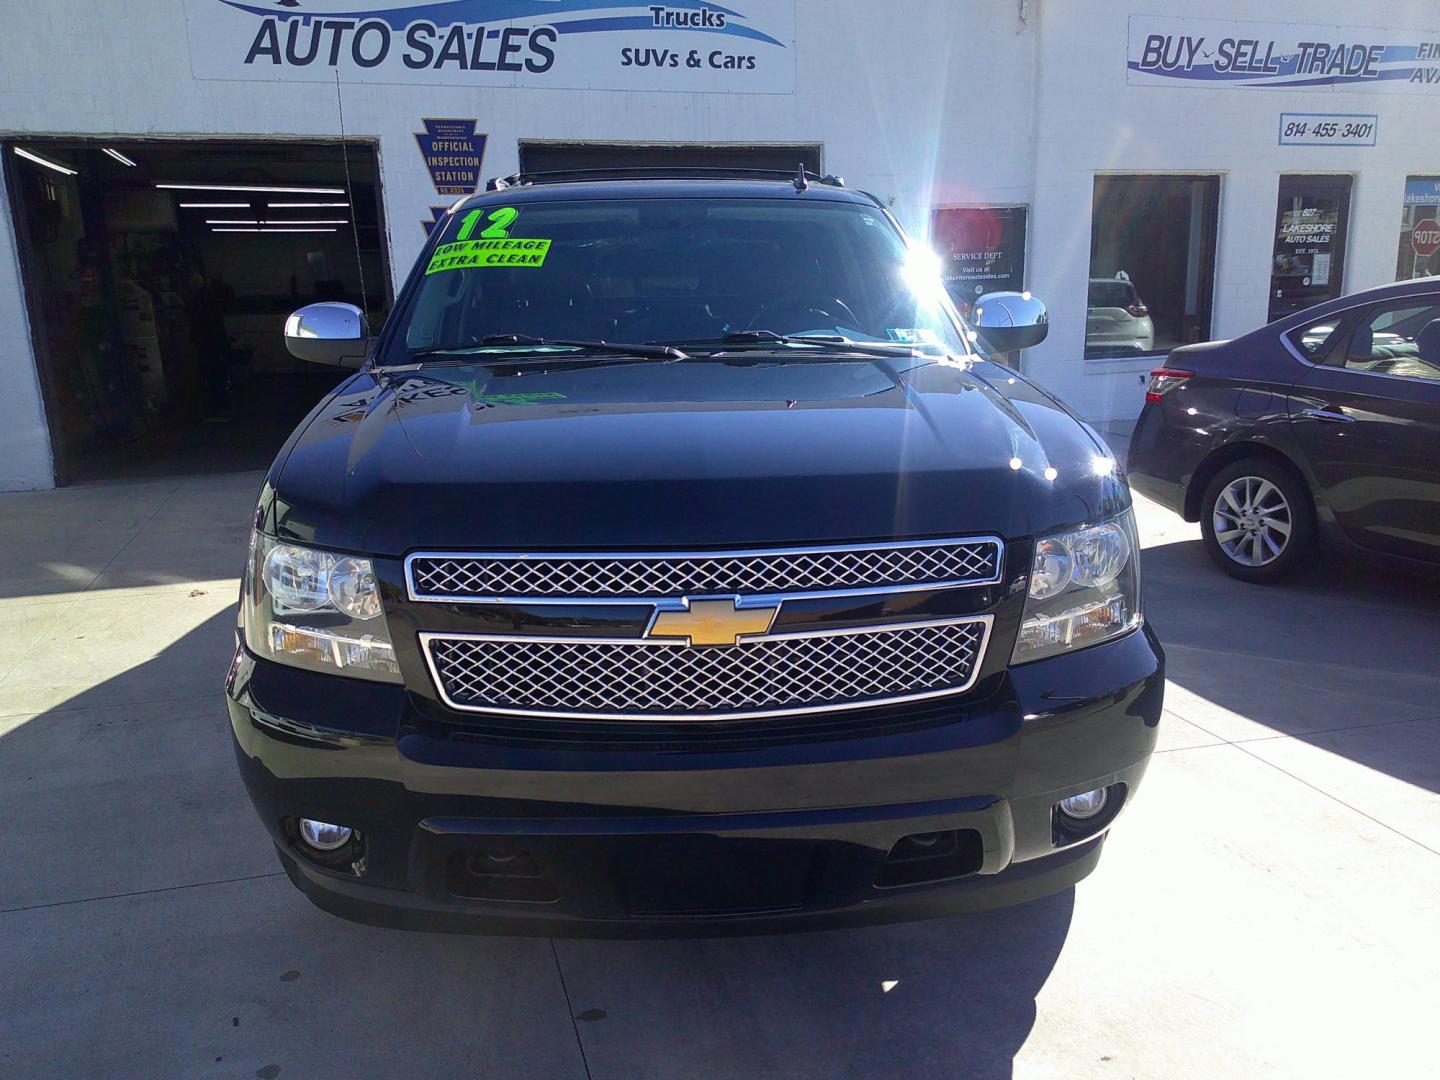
(1161, 461)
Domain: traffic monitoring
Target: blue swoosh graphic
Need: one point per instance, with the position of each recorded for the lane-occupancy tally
(466, 11)
(1207, 75)
(640, 22)
(469, 12)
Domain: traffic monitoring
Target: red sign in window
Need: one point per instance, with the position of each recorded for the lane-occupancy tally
(981, 249)
(1425, 237)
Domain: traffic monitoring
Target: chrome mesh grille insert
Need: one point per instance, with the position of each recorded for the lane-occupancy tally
(797, 570)
(647, 680)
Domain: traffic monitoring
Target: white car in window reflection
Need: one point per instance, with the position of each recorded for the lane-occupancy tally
(1118, 320)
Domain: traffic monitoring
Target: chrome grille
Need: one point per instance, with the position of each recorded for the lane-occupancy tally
(922, 564)
(644, 679)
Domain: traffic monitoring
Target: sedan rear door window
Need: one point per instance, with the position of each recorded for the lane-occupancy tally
(1400, 340)
(1313, 340)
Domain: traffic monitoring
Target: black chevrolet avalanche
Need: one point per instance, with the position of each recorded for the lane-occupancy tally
(677, 558)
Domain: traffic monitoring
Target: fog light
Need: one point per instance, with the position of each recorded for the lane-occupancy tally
(1086, 805)
(322, 836)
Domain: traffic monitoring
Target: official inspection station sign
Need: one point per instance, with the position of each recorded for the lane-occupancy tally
(742, 47)
(453, 154)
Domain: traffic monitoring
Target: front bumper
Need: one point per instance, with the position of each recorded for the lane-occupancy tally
(472, 835)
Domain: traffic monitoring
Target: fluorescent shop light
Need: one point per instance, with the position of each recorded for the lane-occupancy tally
(118, 156)
(241, 221)
(304, 205)
(274, 229)
(213, 205)
(254, 187)
(28, 156)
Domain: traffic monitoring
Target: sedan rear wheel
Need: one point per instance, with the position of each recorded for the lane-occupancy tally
(1251, 521)
(1256, 519)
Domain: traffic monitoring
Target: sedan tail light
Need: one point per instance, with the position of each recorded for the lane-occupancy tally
(1137, 311)
(1163, 380)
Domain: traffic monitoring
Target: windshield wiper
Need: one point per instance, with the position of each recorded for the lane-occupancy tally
(648, 351)
(765, 339)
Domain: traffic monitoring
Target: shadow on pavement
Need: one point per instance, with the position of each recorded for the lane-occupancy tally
(142, 854)
(949, 997)
(1341, 644)
(92, 538)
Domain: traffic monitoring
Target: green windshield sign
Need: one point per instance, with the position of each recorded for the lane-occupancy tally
(482, 254)
(495, 248)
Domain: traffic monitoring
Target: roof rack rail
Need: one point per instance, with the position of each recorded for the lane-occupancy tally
(801, 178)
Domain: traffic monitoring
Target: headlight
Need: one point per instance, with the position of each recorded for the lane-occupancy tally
(316, 610)
(1084, 589)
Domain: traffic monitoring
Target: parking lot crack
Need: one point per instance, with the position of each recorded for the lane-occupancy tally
(1313, 787)
(570, 1008)
(133, 537)
(140, 892)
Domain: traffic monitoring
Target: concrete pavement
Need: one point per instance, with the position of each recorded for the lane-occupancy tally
(1268, 905)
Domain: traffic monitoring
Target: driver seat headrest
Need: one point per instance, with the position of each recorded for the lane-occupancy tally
(1427, 342)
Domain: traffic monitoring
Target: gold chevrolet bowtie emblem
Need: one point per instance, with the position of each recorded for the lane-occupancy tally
(712, 622)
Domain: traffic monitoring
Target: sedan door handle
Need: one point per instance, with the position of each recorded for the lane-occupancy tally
(1329, 416)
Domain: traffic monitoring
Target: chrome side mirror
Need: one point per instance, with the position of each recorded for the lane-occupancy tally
(329, 333)
(1010, 320)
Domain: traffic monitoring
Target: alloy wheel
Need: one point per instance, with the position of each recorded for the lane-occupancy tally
(1252, 521)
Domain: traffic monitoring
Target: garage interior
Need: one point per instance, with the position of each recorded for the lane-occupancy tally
(158, 275)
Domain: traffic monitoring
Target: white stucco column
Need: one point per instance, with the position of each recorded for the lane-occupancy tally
(25, 461)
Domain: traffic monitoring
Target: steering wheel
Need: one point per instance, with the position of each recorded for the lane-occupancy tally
(832, 311)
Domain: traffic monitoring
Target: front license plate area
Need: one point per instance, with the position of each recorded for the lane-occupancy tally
(701, 875)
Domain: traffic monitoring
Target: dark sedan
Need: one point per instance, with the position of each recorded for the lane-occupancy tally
(1320, 429)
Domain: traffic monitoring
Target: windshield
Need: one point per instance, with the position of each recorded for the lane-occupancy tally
(673, 270)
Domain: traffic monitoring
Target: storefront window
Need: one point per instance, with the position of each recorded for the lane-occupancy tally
(981, 249)
(1152, 263)
(1419, 252)
(1309, 257)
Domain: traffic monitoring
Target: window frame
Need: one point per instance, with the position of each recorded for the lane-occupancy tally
(1345, 322)
(1207, 263)
(1419, 208)
(1339, 186)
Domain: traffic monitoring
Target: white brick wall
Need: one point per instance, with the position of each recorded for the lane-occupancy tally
(929, 102)
(1090, 121)
(24, 437)
(934, 88)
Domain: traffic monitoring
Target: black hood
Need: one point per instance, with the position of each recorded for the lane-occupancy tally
(695, 454)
